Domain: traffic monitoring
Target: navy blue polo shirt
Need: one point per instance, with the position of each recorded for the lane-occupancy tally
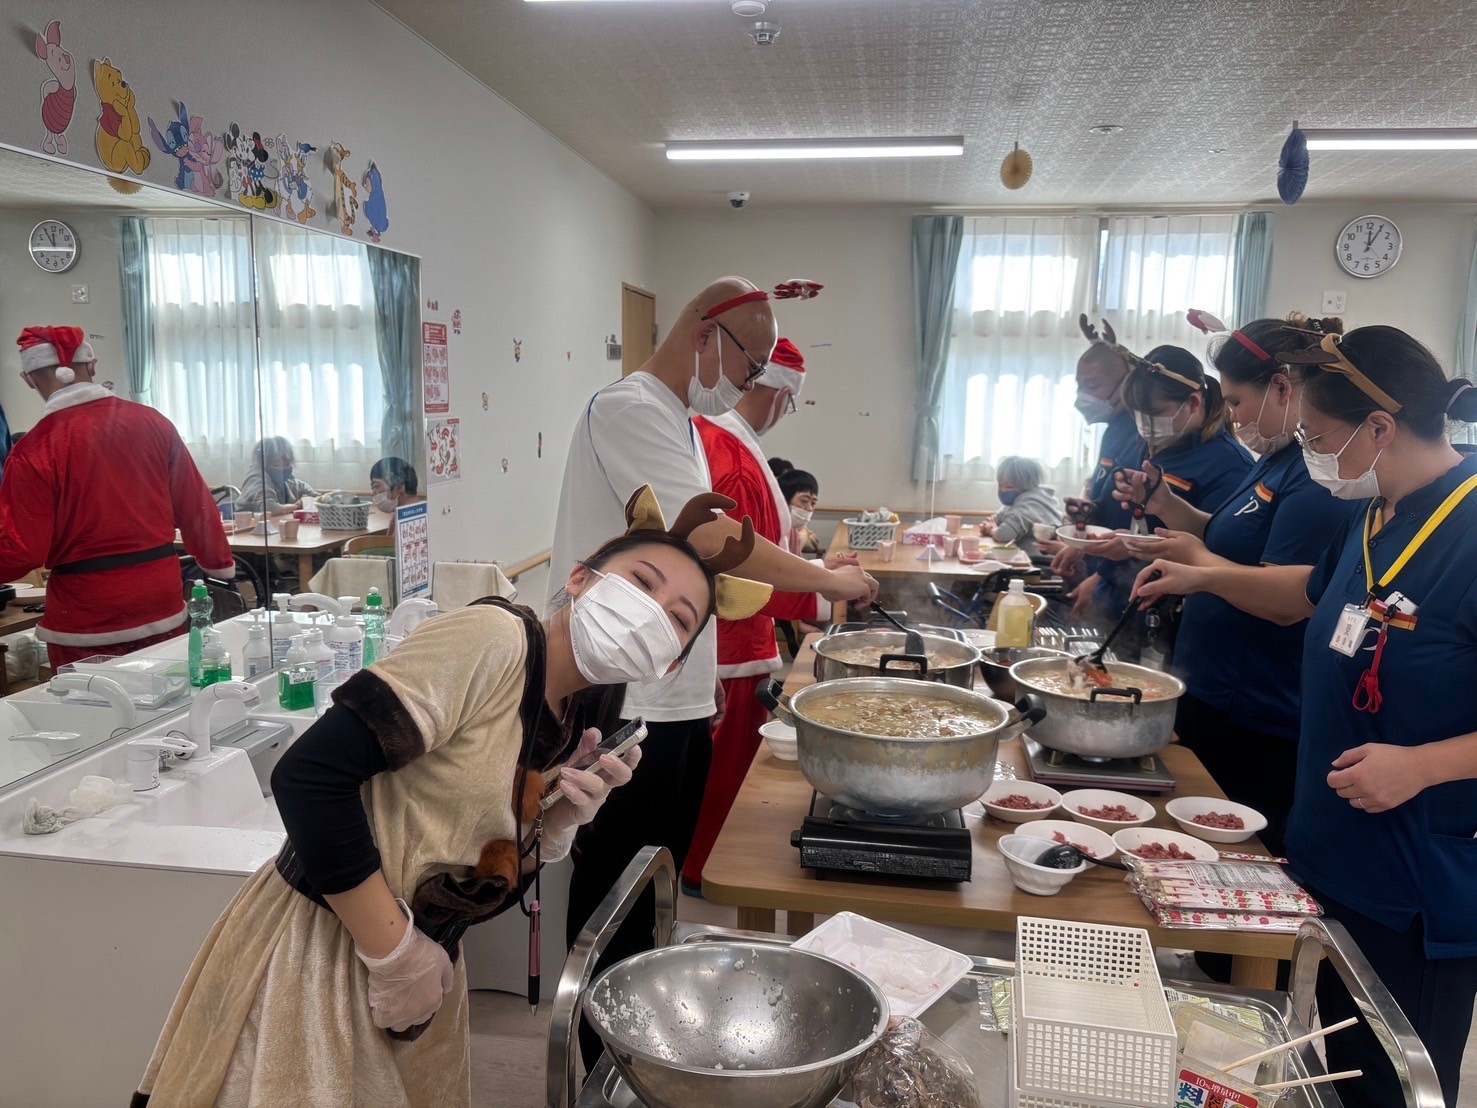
(1121, 446)
(1204, 475)
(1250, 668)
(1419, 858)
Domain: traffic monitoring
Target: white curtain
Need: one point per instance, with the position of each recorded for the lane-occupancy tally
(1010, 381)
(1155, 267)
(204, 339)
(322, 386)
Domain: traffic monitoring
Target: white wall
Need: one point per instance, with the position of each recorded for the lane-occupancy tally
(526, 238)
(863, 255)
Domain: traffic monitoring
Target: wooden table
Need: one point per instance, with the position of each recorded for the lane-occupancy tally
(311, 539)
(754, 867)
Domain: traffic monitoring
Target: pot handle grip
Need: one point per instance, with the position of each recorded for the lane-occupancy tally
(1136, 695)
(1029, 709)
(772, 695)
(919, 660)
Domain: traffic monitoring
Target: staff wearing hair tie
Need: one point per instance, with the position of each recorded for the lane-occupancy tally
(1240, 715)
(1385, 809)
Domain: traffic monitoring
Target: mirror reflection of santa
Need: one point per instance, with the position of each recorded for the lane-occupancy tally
(95, 491)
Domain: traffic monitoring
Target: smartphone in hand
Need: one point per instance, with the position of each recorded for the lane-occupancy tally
(616, 743)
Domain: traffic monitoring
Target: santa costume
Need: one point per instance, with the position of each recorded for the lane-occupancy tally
(96, 491)
(747, 651)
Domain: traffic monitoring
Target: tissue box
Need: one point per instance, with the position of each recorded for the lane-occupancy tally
(930, 532)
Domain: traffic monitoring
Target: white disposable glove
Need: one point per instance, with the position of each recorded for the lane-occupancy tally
(584, 792)
(407, 986)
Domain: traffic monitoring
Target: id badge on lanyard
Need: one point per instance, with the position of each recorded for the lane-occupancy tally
(1348, 632)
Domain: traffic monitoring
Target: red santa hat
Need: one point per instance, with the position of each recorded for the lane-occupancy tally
(63, 347)
(786, 368)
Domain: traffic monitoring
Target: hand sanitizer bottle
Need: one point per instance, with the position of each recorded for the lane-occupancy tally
(295, 682)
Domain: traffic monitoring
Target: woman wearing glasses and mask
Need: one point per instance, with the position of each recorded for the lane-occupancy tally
(411, 811)
(1240, 716)
(1383, 818)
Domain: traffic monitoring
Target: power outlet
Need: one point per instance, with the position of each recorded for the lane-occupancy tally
(79, 294)
(1335, 301)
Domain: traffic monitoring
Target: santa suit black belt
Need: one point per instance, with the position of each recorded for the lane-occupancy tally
(117, 561)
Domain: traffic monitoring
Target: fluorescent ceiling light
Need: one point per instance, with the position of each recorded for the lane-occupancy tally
(803, 149)
(1392, 138)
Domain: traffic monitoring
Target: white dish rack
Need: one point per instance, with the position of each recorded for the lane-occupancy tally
(1091, 1027)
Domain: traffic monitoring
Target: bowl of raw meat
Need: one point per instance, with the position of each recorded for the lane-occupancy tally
(1106, 810)
(1214, 819)
(1021, 801)
(1154, 844)
(1062, 832)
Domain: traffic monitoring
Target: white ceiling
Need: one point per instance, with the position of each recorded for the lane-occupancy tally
(1183, 77)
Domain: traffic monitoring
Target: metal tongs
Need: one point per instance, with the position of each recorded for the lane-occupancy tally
(1091, 663)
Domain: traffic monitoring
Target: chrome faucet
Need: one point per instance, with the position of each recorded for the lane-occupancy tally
(206, 700)
(95, 684)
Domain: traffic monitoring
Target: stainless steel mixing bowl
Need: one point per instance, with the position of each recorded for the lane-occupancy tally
(729, 1025)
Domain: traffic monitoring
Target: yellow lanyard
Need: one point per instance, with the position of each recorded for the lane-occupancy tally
(1438, 517)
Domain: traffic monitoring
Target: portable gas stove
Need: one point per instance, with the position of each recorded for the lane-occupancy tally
(1148, 774)
(837, 839)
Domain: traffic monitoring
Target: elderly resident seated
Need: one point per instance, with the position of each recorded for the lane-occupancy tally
(269, 487)
(1025, 501)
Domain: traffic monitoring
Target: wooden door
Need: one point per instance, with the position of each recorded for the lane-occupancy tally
(638, 327)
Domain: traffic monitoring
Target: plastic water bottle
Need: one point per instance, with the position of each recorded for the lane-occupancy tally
(215, 659)
(296, 681)
(1016, 625)
(201, 608)
(374, 628)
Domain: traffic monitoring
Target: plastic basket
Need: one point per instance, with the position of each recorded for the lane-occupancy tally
(1093, 1026)
(1025, 1098)
(866, 536)
(353, 516)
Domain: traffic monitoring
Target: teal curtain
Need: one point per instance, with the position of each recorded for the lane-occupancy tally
(138, 306)
(397, 282)
(1466, 339)
(937, 240)
(1253, 273)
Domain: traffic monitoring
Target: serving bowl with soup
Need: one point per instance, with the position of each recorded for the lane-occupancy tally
(1132, 718)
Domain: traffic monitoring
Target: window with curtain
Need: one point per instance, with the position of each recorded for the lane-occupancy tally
(1022, 283)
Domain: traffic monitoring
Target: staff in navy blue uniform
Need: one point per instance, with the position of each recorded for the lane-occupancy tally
(1385, 809)
(1240, 716)
(1181, 415)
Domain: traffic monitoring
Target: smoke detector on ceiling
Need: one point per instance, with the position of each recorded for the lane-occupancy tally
(764, 34)
(749, 9)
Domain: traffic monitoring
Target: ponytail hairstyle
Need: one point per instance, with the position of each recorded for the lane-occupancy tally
(1236, 362)
(1174, 376)
(1393, 373)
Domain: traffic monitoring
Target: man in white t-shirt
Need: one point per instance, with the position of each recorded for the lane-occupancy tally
(638, 431)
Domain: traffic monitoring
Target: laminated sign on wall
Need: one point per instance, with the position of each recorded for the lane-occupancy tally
(444, 450)
(437, 368)
(413, 548)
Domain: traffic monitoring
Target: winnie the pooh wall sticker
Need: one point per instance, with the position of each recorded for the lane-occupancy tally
(345, 191)
(59, 91)
(120, 143)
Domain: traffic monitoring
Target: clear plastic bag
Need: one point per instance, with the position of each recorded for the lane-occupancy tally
(910, 1068)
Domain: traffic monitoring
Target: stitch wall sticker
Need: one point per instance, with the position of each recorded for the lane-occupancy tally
(294, 179)
(435, 368)
(59, 91)
(456, 322)
(120, 143)
(345, 191)
(175, 142)
(375, 212)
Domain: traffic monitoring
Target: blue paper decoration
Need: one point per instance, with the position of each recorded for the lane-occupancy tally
(1292, 167)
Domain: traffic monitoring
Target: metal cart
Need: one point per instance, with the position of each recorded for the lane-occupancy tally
(957, 1017)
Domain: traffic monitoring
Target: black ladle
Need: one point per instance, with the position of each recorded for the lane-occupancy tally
(1067, 856)
(913, 642)
(1093, 660)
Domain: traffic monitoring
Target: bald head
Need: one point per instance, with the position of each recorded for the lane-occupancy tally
(752, 323)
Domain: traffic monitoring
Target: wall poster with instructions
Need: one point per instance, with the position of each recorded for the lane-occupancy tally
(437, 368)
(413, 548)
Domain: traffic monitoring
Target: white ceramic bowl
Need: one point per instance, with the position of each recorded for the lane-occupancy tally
(1074, 802)
(780, 738)
(1131, 839)
(1027, 875)
(1081, 540)
(1043, 531)
(1097, 843)
(1031, 791)
(1184, 809)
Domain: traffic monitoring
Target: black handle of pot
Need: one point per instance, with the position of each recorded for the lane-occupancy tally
(772, 695)
(1032, 708)
(1136, 695)
(920, 661)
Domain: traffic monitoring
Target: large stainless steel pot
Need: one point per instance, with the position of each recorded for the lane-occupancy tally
(897, 776)
(1108, 723)
(948, 661)
(995, 664)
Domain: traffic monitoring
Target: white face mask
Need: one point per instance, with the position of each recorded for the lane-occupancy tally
(1251, 437)
(1157, 430)
(620, 634)
(800, 518)
(384, 503)
(723, 397)
(776, 412)
(1324, 468)
(1093, 409)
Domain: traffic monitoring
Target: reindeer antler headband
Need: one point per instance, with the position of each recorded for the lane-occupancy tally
(735, 597)
(796, 288)
(1328, 356)
(1207, 324)
(1108, 339)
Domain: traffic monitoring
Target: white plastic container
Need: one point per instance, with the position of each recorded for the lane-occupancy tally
(320, 655)
(911, 972)
(346, 640)
(284, 626)
(256, 656)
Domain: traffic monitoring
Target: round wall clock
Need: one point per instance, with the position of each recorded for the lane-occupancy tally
(1368, 246)
(53, 246)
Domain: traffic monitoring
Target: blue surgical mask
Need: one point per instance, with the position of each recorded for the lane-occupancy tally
(1008, 498)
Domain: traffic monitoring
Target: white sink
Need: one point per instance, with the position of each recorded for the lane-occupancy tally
(219, 791)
